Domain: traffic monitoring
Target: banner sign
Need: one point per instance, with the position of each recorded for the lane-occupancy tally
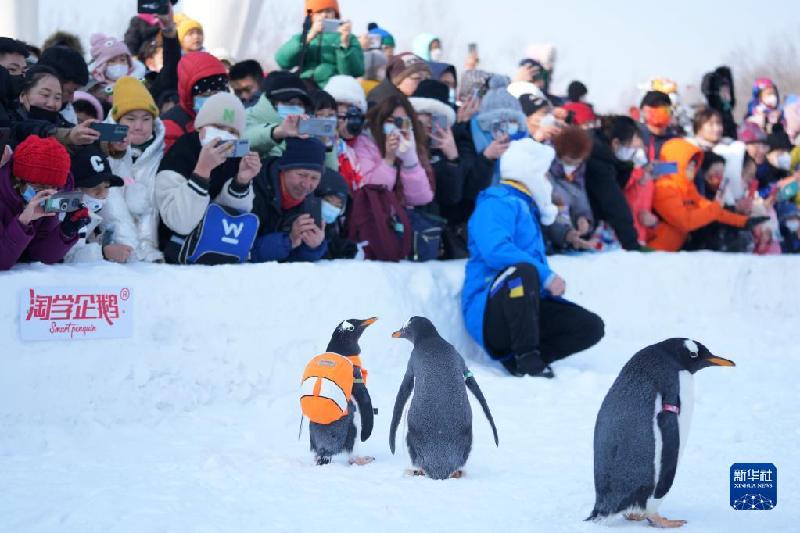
(70, 314)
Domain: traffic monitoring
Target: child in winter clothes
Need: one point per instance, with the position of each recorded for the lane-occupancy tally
(111, 60)
(789, 217)
(764, 107)
(136, 160)
(567, 173)
(94, 178)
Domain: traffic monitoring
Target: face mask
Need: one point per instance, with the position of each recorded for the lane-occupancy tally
(330, 212)
(513, 128)
(784, 161)
(93, 204)
(115, 72)
(40, 113)
(198, 103)
(640, 158)
(213, 134)
(569, 170)
(286, 110)
(16, 86)
(436, 54)
(625, 153)
(451, 96)
(28, 193)
(793, 225)
(770, 100)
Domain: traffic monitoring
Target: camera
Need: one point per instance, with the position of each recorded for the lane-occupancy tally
(354, 121)
(63, 202)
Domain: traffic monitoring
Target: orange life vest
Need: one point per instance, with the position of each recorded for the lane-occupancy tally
(327, 386)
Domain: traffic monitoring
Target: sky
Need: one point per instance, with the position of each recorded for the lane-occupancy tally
(611, 45)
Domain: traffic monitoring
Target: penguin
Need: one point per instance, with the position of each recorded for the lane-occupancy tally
(642, 427)
(439, 435)
(337, 437)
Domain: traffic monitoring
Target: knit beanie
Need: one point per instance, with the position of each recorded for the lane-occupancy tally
(223, 109)
(86, 97)
(303, 153)
(41, 161)
(315, 6)
(347, 90)
(185, 25)
(104, 49)
(528, 162)
(387, 39)
(131, 95)
(404, 65)
(498, 105)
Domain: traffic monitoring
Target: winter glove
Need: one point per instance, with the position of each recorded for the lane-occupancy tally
(752, 222)
(74, 221)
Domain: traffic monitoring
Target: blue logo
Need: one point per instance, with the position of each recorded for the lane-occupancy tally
(754, 486)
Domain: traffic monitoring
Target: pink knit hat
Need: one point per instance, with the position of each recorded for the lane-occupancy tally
(105, 48)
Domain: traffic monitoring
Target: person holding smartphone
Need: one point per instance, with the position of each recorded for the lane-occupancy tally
(326, 51)
(199, 170)
(291, 226)
(38, 169)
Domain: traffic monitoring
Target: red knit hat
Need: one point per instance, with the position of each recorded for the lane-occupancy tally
(41, 161)
(583, 112)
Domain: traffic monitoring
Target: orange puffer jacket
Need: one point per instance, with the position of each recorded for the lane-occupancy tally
(678, 203)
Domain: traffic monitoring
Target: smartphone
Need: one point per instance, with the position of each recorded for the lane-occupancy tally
(241, 147)
(331, 25)
(314, 206)
(110, 132)
(374, 41)
(317, 127)
(662, 168)
(499, 130)
(440, 121)
(63, 202)
(154, 7)
(472, 48)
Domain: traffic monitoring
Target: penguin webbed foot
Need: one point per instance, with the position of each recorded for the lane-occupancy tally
(660, 522)
(361, 460)
(415, 472)
(458, 474)
(322, 460)
(635, 517)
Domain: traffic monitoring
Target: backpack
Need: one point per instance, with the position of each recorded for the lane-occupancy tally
(223, 236)
(378, 219)
(427, 241)
(327, 387)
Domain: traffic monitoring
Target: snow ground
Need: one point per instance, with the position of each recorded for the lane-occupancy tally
(191, 425)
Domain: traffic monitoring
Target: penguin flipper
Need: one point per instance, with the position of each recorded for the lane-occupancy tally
(364, 402)
(399, 404)
(671, 443)
(472, 385)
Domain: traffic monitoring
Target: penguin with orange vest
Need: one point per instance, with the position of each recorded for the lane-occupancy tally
(334, 387)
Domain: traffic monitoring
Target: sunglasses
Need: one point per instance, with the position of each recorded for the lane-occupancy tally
(401, 123)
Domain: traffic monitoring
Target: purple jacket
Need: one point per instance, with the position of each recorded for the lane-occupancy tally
(42, 240)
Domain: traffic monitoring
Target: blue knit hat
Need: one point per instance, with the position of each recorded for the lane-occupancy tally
(303, 153)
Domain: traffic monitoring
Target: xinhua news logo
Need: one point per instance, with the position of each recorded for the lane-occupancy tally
(754, 486)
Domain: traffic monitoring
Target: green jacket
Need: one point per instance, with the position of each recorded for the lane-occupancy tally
(262, 118)
(325, 57)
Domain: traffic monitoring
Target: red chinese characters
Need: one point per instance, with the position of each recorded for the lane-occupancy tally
(58, 307)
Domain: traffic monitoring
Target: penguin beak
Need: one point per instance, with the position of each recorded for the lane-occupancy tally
(720, 361)
(398, 334)
(369, 321)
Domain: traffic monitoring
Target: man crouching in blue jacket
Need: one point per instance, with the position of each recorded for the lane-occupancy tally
(512, 302)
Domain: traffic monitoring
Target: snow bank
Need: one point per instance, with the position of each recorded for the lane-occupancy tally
(191, 425)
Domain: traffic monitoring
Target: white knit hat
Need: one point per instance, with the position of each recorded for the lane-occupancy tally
(223, 109)
(347, 90)
(527, 162)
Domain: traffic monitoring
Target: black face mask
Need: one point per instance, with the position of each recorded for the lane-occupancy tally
(40, 113)
(15, 86)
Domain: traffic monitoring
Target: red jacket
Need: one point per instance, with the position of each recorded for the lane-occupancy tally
(192, 68)
(680, 205)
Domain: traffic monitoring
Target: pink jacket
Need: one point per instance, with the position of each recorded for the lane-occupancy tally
(375, 171)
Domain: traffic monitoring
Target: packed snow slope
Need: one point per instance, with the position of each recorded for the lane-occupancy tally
(192, 424)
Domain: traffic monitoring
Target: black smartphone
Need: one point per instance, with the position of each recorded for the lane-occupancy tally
(153, 7)
(314, 206)
(110, 132)
(472, 48)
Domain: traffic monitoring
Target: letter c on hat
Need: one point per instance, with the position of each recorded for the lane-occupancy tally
(97, 163)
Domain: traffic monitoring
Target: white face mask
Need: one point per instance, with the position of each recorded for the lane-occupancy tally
(211, 134)
(793, 225)
(784, 161)
(639, 158)
(513, 128)
(436, 54)
(93, 204)
(115, 72)
(771, 100)
(625, 153)
(569, 170)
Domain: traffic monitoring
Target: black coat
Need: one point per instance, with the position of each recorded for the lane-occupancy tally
(605, 194)
(711, 84)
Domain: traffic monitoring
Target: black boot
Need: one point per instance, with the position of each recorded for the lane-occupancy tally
(532, 364)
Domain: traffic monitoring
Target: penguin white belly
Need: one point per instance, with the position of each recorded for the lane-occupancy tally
(686, 395)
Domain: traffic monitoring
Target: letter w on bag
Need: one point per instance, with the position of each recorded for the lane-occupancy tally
(232, 232)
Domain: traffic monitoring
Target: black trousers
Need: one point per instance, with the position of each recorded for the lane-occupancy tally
(517, 320)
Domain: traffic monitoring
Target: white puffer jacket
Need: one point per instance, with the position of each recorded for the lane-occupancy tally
(132, 209)
(88, 248)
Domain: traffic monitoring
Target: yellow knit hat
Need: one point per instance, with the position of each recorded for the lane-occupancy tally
(131, 95)
(185, 24)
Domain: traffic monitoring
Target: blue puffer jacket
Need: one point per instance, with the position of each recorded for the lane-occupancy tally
(503, 231)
